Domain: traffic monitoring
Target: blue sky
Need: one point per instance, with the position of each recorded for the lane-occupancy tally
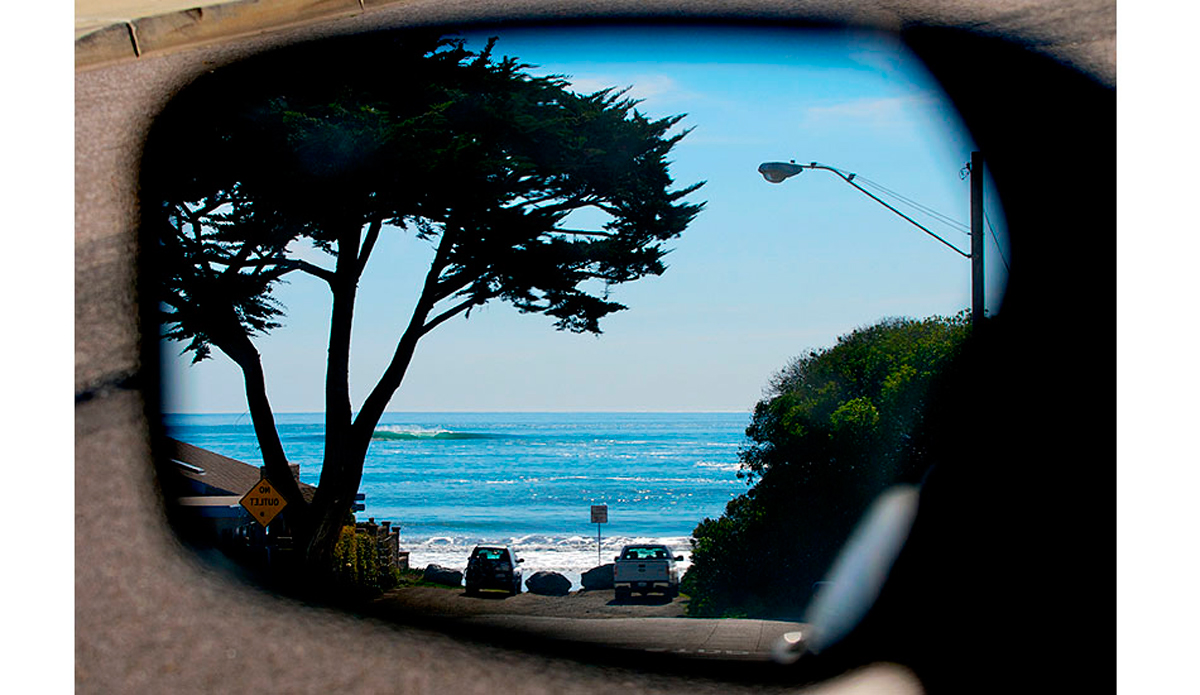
(764, 273)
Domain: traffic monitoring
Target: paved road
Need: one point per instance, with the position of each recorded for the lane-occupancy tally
(729, 638)
(647, 624)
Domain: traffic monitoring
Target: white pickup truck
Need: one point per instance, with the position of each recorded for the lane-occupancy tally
(645, 568)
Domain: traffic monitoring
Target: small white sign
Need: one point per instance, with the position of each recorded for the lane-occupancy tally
(599, 513)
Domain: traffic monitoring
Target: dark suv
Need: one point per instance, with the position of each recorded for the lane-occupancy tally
(493, 567)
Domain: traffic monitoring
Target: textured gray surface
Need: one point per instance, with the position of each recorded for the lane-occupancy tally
(149, 617)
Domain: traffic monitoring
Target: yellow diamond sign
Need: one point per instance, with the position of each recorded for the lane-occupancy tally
(263, 502)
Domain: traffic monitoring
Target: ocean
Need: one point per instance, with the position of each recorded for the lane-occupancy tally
(527, 480)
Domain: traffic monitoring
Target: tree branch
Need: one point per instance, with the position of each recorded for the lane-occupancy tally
(449, 314)
(315, 271)
(451, 284)
(213, 203)
(580, 232)
(197, 231)
(571, 204)
(529, 202)
(372, 408)
(288, 265)
(239, 261)
(369, 244)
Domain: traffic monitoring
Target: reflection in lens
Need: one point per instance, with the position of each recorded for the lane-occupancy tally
(458, 299)
(862, 566)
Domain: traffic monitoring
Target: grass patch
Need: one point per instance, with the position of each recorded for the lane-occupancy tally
(410, 577)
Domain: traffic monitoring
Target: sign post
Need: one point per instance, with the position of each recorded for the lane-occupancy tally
(599, 516)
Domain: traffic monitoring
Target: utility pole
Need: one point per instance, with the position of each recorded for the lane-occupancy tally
(778, 172)
(977, 286)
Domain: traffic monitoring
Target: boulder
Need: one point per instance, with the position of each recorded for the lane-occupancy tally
(548, 584)
(598, 577)
(442, 575)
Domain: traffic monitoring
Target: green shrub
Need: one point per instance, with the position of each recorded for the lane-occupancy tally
(358, 567)
(834, 430)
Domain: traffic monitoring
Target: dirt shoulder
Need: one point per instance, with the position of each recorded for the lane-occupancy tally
(428, 601)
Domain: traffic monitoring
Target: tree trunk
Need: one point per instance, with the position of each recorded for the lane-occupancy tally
(347, 439)
(237, 345)
(331, 510)
(341, 469)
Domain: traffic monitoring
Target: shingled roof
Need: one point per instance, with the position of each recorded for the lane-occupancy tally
(217, 474)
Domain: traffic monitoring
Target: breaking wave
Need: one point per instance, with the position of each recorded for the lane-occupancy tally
(408, 433)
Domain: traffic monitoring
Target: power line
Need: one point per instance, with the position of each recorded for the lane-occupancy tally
(988, 220)
(777, 172)
(849, 178)
(999, 250)
(946, 219)
(943, 218)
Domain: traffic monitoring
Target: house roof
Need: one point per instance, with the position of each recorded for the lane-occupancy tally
(224, 475)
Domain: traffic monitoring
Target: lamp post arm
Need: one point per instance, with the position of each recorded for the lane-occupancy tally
(850, 180)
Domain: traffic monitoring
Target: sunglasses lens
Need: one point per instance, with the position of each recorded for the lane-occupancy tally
(477, 323)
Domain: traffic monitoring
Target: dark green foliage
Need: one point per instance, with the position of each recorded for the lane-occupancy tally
(446, 143)
(253, 166)
(358, 569)
(836, 428)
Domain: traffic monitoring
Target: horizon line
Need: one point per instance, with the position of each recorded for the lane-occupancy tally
(486, 412)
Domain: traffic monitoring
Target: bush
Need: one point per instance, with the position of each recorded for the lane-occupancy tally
(357, 566)
(835, 429)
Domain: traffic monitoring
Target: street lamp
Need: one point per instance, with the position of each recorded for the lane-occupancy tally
(778, 172)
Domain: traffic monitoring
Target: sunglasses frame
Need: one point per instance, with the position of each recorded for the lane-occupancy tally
(150, 614)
